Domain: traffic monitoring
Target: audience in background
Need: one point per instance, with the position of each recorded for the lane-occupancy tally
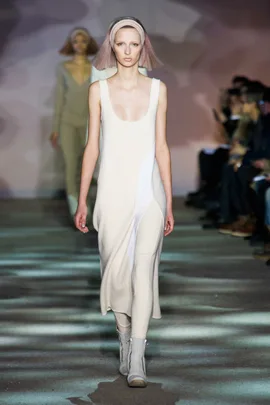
(235, 177)
(211, 161)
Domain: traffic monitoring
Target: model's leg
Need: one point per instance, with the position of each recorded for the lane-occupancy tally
(143, 295)
(149, 235)
(70, 148)
(81, 138)
(148, 238)
(123, 324)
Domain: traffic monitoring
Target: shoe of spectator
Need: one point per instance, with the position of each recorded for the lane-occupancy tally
(226, 229)
(229, 228)
(244, 230)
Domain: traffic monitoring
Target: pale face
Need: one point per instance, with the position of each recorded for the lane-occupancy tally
(80, 43)
(127, 46)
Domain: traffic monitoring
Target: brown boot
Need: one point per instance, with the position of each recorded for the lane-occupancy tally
(226, 229)
(243, 230)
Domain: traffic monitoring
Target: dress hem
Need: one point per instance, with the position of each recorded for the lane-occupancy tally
(104, 313)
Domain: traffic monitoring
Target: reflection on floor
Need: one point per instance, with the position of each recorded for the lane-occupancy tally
(212, 346)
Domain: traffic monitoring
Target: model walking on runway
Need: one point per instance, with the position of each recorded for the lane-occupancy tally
(71, 108)
(133, 209)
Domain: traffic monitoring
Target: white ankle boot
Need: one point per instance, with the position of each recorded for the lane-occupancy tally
(137, 374)
(124, 339)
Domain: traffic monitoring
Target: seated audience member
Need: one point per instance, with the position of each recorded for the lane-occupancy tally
(247, 159)
(211, 161)
(265, 253)
(262, 187)
(261, 206)
(237, 83)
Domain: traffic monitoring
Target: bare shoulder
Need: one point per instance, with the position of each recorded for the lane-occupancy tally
(162, 89)
(94, 91)
(162, 99)
(145, 80)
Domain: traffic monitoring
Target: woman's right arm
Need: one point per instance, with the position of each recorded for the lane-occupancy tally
(91, 151)
(90, 156)
(59, 101)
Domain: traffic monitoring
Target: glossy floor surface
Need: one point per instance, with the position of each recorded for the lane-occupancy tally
(212, 346)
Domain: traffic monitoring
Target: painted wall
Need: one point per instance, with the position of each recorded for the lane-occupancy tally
(202, 44)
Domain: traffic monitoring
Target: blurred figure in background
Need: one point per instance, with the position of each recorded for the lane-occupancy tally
(212, 160)
(248, 159)
(71, 108)
(261, 185)
(237, 83)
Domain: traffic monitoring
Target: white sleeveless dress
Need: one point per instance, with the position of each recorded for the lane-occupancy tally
(130, 205)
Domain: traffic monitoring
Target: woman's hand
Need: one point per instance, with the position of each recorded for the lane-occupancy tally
(169, 223)
(54, 139)
(80, 218)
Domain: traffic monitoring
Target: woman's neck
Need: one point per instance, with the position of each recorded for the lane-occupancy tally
(79, 59)
(128, 77)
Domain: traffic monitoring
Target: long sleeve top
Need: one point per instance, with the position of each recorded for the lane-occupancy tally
(259, 140)
(71, 100)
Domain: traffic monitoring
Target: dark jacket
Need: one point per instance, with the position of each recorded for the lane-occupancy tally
(258, 140)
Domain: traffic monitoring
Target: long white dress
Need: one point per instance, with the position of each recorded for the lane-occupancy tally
(130, 204)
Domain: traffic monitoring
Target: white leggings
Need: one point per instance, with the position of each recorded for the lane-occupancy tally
(142, 300)
(148, 239)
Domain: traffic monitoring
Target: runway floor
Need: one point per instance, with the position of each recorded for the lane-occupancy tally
(212, 346)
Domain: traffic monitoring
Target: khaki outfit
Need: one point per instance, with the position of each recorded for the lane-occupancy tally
(70, 121)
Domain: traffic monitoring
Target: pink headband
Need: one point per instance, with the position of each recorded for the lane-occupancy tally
(123, 23)
(78, 31)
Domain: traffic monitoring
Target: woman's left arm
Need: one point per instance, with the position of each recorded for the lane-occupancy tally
(163, 155)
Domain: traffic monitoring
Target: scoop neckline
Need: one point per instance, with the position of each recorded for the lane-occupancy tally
(134, 121)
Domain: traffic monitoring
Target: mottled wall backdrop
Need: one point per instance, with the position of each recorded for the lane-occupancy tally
(202, 43)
